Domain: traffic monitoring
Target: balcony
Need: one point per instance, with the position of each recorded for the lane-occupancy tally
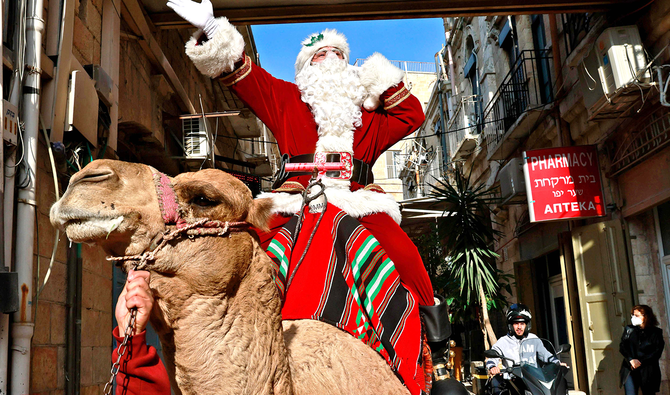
(515, 108)
(464, 128)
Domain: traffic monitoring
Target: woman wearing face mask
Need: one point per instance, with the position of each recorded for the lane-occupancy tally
(641, 346)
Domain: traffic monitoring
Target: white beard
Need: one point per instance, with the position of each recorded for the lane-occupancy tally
(334, 92)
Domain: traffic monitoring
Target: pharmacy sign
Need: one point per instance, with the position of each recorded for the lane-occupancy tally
(563, 183)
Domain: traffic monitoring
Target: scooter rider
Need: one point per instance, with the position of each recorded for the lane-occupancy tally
(509, 346)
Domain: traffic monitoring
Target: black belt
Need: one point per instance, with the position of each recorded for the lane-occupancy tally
(362, 172)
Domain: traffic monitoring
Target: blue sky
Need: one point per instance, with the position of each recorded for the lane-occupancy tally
(400, 39)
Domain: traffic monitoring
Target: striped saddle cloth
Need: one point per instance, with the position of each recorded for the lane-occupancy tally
(347, 280)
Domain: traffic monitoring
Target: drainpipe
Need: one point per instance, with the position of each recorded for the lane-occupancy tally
(563, 131)
(4, 318)
(23, 326)
(8, 198)
(450, 36)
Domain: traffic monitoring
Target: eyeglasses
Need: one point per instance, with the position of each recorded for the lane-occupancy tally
(323, 52)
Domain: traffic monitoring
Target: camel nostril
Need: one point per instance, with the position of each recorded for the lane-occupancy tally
(92, 176)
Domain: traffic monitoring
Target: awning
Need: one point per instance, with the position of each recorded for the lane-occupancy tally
(419, 213)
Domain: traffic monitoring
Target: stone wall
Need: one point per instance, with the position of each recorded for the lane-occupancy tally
(50, 314)
(649, 279)
(144, 96)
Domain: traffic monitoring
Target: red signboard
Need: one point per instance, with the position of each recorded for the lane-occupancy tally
(563, 183)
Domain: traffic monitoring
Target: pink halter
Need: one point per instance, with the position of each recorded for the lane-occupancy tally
(167, 199)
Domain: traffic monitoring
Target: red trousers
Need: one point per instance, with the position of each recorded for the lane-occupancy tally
(397, 244)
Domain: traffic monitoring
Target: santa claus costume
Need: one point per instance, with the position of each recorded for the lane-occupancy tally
(359, 270)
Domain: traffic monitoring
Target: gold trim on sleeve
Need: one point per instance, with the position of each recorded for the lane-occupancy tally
(239, 74)
(396, 98)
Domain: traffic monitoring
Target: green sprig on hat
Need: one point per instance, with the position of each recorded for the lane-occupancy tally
(314, 39)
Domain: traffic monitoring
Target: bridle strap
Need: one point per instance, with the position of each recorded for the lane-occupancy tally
(201, 227)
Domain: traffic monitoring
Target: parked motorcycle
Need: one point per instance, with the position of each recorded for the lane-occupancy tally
(537, 377)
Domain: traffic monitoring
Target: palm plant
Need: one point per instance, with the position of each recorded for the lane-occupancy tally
(467, 242)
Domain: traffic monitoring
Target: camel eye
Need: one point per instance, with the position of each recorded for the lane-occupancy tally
(202, 201)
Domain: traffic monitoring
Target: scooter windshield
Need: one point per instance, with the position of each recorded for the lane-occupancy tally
(538, 360)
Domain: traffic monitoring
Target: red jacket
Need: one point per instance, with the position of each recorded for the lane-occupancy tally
(141, 371)
(278, 105)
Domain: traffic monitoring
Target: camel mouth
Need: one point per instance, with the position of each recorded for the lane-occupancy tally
(86, 229)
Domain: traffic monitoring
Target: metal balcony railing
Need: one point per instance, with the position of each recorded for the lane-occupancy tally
(526, 86)
(466, 121)
(408, 66)
(575, 26)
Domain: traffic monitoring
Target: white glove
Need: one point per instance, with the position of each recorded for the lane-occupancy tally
(200, 15)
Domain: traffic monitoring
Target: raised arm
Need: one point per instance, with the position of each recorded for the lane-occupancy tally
(217, 51)
(399, 112)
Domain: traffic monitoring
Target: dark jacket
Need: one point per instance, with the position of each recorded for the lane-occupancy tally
(645, 345)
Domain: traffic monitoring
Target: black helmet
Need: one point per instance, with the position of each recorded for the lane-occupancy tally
(518, 313)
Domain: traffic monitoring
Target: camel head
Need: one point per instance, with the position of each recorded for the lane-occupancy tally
(115, 205)
(112, 204)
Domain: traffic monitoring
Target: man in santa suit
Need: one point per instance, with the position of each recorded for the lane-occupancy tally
(334, 108)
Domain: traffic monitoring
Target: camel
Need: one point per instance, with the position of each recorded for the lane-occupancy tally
(217, 310)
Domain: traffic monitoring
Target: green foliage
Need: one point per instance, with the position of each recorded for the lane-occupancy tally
(463, 309)
(433, 255)
(468, 236)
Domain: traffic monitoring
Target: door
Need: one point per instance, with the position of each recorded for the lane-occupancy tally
(559, 321)
(662, 219)
(605, 299)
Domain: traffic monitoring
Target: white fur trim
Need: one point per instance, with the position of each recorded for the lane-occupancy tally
(219, 54)
(283, 203)
(331, 38)
(371, 103)
(378, 74)
(357, 204)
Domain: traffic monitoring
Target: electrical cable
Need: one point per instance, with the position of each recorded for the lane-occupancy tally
(209, 143)
(252, 140)
(57, 236)
(589, 74)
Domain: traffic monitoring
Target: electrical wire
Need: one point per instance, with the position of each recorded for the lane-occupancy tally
(57, 236)
(589, 74)
(252, 140)
(19, 129)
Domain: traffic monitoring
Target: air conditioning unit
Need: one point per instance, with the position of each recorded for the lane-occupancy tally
(512, 182)
(82, 107)
(621, 58)
(196, 139)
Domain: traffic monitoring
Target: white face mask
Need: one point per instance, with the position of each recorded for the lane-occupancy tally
(636, 321)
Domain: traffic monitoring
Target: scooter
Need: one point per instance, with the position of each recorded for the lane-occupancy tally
(538, 375)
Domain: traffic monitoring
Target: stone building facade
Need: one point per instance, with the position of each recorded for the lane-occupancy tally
(509, 84)
(136, 83)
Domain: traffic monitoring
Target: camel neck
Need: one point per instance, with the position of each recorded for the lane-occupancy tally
(233, 343)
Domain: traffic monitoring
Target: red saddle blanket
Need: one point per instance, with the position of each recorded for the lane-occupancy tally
(347, 280)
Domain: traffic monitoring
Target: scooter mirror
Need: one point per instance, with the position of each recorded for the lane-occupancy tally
(563, 348)
(492, 354)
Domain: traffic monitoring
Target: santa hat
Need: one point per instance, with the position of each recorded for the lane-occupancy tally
(327, 38)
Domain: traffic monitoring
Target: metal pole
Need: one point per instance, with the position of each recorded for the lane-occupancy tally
(23, 326)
